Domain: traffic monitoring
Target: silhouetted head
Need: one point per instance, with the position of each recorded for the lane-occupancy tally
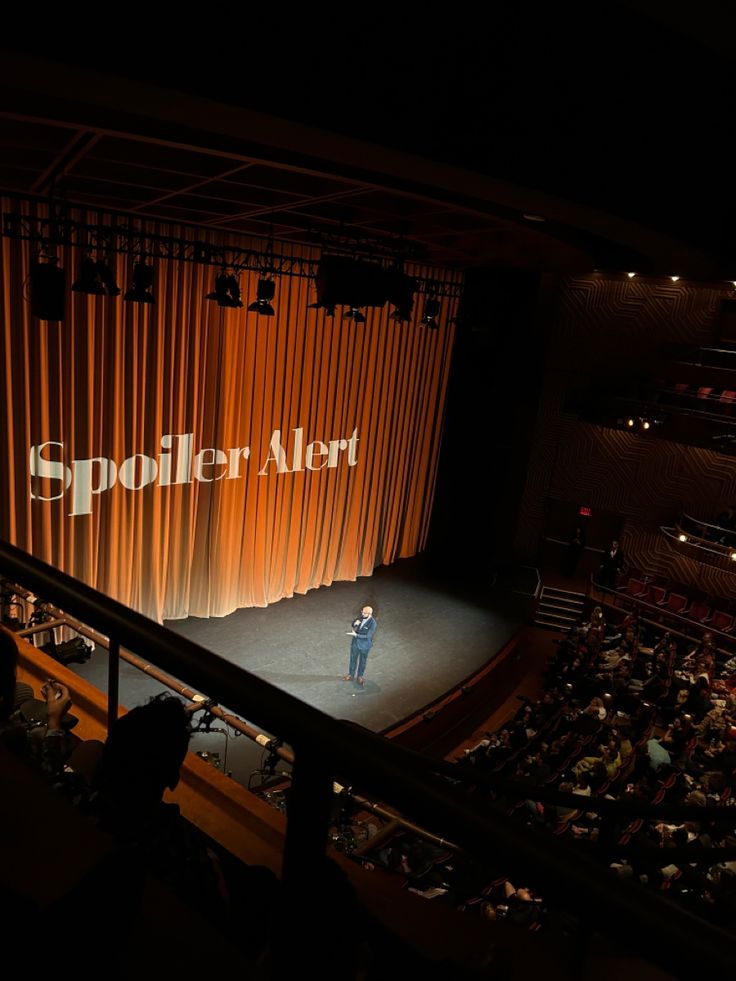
(8, 671)
(145, 749)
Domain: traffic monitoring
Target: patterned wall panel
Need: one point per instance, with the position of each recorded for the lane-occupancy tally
(654, 554)
(603, 324)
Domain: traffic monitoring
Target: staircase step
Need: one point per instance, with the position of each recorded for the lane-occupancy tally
(562, 604)
(549, 608)
(570, 611)
(564, 592)
(558, 609)
(568, 597)
(548, 625)
(557, 605)
(557, 617)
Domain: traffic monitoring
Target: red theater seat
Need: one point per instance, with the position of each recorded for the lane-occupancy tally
(676, 603)
(680, 393)
(635, 587)
(722, 621)
(726, 401)
(699, 611)
(657, 594)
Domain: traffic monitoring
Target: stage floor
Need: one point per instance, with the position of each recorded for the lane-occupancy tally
(431, 635)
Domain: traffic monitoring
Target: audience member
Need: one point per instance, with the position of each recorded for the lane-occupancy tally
(521, 906)
(34, 729)
(141, 760)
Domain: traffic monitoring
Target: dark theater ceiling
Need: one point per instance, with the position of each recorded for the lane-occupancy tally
(449, 140)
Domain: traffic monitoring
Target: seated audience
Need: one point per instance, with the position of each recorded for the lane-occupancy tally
(35, 729)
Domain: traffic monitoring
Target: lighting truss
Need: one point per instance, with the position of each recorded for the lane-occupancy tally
(118, 236)
(348, 241)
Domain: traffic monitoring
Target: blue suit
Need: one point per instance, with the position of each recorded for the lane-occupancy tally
(361, 644)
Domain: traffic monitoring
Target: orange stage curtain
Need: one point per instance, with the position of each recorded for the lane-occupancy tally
(114, 378)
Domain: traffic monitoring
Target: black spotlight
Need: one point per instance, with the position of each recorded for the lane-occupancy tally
(226, 291)
(431, 313)
(401, 289)
(233, 288)
(47, 288)
(402, 313)
(264, 295)
(89, 280)
(355, 314)
(140, 291)
(108, 278)
(329, 308)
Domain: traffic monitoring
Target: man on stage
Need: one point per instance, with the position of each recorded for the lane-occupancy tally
(362, 632)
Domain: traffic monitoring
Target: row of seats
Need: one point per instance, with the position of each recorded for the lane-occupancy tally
(676, 601)
(705, 398)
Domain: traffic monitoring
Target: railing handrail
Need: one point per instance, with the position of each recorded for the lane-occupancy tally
(635, 601)
(664, 932)
(722, 551)
(698, 521)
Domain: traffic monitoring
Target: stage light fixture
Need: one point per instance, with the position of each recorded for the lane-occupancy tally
(108, 278)
(233, 287)
(140, 291)
(329, 308)
(431, 313)
(46, 288)
(401, 289)
(88, 280)
(226, 291)
(402, 314)
(355, 314)
(345, 281)
(264, 294)
(220, 292)
(95, 279)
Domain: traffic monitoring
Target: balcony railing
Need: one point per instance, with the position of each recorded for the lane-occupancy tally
(327, 750)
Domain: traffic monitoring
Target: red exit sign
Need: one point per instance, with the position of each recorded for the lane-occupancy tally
(584, 512)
